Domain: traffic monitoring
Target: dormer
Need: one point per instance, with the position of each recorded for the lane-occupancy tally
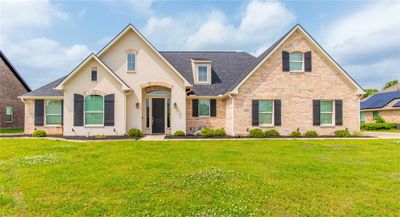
(201, 71)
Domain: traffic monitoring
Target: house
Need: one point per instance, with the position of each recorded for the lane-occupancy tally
(130, 84)
(12, 85)
(385, 103)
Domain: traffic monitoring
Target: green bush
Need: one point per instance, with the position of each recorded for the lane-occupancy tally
(256, 133)
(378, 126)
(220, 132)
(179, 133)
(135, 133)
(311, 133)
(379, 119)
(342, 133)
(206, 132)
(39, 133)
(295, 133)
(271, 133)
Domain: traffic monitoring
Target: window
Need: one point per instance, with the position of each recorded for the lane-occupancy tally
(202, 73)
(265, 112)
(94, 74)
(131, 62)
(375, 113)
(362, 117)
(204, 107)
(168, 112)
(53, 112)
(9, 114)
(326, 112)
(94, 110)
(147, 112)
(296, 61)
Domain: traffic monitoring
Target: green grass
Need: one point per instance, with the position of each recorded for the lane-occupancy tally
(203, 178)
(11, 130)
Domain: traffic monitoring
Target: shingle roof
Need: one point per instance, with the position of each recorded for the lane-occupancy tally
(46, 90)
(12, 68)
(397, 104)
(380, 100)
(227, 68)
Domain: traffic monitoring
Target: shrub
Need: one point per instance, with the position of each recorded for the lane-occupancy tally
(342, 133)
(179, 133)
(220, 132)
(358, 133)
(271, 133)
(135, 133)
(256, 133)
(379, 119)
(378, 126)
(295, 133)
(39, 133)
(311, 133)
(206, 132)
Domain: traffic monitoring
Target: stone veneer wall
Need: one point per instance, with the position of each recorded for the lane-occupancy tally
(297, 90)
(30, 118)
(192, 123)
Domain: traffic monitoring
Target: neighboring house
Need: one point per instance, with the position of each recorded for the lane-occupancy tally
(130, 84)
(385, 103)
(12, 85)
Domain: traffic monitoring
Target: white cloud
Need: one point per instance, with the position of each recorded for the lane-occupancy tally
(260, 22)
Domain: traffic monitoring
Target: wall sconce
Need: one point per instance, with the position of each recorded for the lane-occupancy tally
(137, 105)
(73, 130)
(175, 105)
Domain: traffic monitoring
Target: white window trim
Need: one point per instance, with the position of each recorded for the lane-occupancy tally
(209, 108)
(198, 74)
(195, 68)
(12, 114)
(134, 52)
(45, 114)
(84, 113)
(302, 65)
(333, 114)
(273, 114)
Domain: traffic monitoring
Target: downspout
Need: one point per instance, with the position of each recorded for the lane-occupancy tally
(233, 113)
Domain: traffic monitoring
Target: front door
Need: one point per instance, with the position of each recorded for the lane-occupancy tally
(158, 113)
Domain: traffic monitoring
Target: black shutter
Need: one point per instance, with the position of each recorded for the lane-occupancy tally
(254, 113)
(338, 112)
(277, 112)
(39, 112)
(94, 75)
(109, 110)
(213, 108)
(307, 61)
(195, 108)
(62, 112)
(78, 110)
(285, 61)
(316, 113)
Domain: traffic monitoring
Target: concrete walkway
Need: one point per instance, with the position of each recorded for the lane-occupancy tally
(382, 135)
(153, 138)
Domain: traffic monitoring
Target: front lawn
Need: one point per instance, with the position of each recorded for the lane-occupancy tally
(203, 178)
(11, 130)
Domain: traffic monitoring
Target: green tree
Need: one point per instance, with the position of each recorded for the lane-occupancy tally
(369, 92)
(391, 83)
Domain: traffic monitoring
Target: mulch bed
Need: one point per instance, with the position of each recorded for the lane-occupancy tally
(72, 137)
(248, 137)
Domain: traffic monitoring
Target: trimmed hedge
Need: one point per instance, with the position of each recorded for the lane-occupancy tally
(271, 133)
(311, 133)
(342, 133)
(256, 133)
(39, 133)
(378, 126)
(295, 133)
(206, 132)
(179, 133)
(135, 133)
(220, 132)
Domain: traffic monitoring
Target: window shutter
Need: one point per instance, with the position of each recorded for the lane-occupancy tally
(78, 110)
(277, 112)
(254, 113)
(62, 112)
(213, 107)
(316, 113)
(39, 112)
(338, 112)
(307, 61)
(195, 108)
(285, 61)
(109, 110)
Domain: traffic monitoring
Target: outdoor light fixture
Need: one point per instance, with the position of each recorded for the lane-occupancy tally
(137, 105)
(73, 130)
(175, 105)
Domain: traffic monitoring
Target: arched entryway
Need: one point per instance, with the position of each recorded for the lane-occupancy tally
(157, 110)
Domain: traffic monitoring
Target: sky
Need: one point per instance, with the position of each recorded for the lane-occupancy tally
(46, 40)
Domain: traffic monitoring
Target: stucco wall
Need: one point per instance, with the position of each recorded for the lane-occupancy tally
(149, 68)
(30, 121)
(297, 90)
(193, 123)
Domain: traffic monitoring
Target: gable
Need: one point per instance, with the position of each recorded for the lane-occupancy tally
(14, 71)
(307, 43)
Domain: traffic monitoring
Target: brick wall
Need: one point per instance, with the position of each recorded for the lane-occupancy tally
(391, 116)
(10, 89)
(297, 90)
(211, 122)
(30, 121)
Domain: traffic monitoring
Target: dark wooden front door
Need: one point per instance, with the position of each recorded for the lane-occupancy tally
(158, 112)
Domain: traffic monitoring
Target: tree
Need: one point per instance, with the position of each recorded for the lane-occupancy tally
(391, 83)
(369, 92)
